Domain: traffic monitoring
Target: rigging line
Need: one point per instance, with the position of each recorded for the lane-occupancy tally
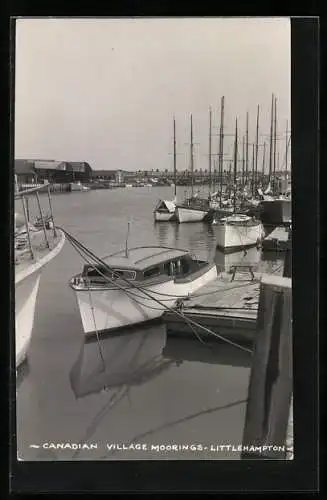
(177, 313)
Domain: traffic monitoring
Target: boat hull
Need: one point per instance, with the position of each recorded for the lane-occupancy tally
(164, 216)
(274, 212)
(238, 236)
(26, 290)
(115, 308)
(25, 301)
(190, 214)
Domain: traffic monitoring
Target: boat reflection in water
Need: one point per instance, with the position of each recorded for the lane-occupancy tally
(131, 358)
(250, 256)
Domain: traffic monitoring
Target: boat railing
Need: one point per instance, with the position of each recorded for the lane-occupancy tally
(23, 196)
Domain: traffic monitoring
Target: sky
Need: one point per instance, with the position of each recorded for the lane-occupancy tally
(105, 91)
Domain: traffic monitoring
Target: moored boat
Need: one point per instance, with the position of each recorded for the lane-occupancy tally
(238, 231)
(276, 211)
(35, 247)
(137, 286)
(193, 209)
(165, 211)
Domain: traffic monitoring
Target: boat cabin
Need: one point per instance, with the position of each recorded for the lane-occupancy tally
(162, 266)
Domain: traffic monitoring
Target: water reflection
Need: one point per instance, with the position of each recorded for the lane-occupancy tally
(199, 237)
(191, 350)
(163, 233)
(272, 262)
(249, 256)
(128, 359)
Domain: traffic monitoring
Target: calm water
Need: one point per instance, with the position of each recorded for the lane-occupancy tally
(140, 387)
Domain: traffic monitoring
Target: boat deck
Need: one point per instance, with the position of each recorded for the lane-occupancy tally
(23, 259)
(228, 306)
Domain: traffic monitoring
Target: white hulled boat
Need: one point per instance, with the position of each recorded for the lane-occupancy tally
(35, 247)
(165, 209)
(128, 290)
(193, 209)
(238, 231)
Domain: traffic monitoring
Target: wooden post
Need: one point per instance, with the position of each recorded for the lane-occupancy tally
(51, 214)
(288, 264)
(271, 380)
(42, 219)
(27, 228)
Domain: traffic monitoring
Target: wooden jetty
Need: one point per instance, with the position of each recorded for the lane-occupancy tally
(271, 382)
(228, 306)
(278, 240)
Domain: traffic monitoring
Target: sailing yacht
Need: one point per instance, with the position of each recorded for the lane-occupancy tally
(165, 209)
(238, 230)
(35, 247)
(193, 209)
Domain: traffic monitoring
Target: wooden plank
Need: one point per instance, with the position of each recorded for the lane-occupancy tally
(270, 387)
(225, 307)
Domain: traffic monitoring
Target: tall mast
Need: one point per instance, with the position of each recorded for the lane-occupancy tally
(256, 148)
(243, 160)
(275, 133)
(263, 161)
(271, 138)
(253, 166)
(175, 169)
(210, 125)
(192, 159)
(247, 149)
(235, 166)
(221, 148)
(286, 151)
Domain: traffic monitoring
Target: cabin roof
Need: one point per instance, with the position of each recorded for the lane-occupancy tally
(170, 205)
(141, 258)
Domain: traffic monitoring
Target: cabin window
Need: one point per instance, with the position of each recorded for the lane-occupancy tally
(123, 273)
(93, 272)
(99, 271)
(173, 268)
(152, 271)
(167, 268)
(185, 266)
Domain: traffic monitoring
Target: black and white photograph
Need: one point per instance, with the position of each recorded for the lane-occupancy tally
(153, 239)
